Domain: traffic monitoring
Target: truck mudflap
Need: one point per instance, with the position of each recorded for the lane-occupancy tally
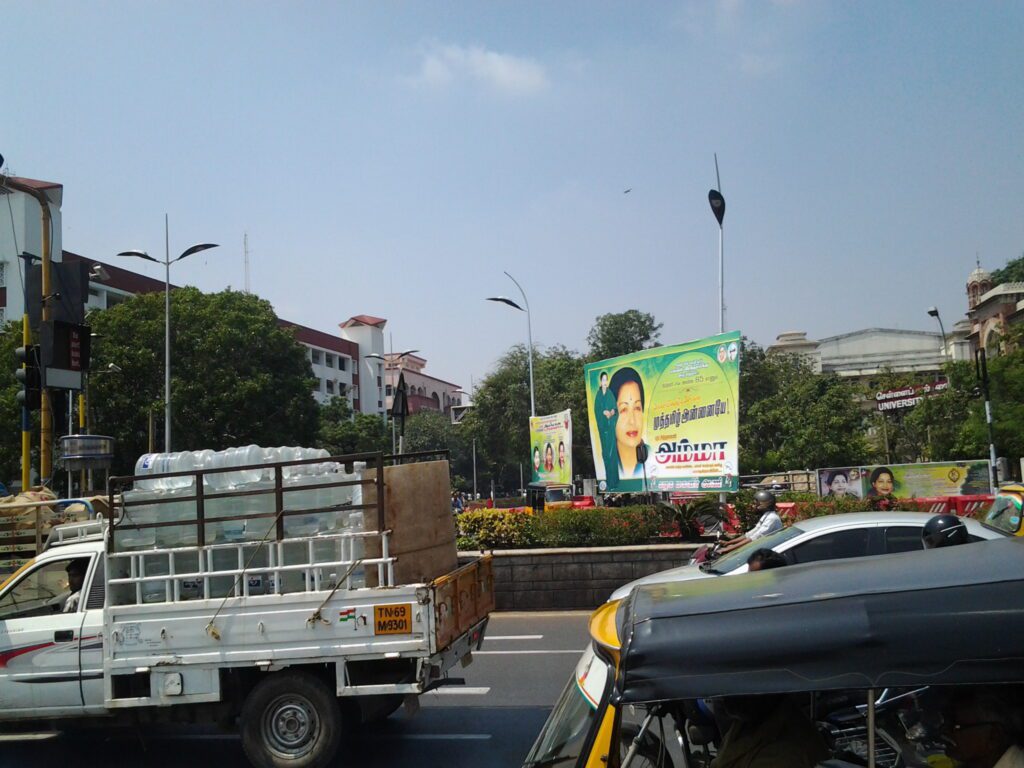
(462, 599)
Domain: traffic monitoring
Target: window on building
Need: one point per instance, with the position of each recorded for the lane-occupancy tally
(113, 299)
(389, 390)
(380, 404)
(314, 355)
(342, 363)
(330, 387)
(329, 360)
(3, 274)
(379, 383)
(319, 386)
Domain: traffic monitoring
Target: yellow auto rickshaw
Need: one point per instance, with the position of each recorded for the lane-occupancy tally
(1005, 512)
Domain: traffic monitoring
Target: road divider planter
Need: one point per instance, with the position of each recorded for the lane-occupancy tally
(577, 578)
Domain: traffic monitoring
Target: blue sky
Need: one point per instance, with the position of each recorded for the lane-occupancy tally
(394, 158)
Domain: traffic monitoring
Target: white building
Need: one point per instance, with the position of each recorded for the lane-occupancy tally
(867, 353)
(21, 231)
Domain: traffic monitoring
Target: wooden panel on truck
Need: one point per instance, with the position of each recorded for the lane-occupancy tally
(417, 511)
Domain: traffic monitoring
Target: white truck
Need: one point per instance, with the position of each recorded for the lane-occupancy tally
(278, 635)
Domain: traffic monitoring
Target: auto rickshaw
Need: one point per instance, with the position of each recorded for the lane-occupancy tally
(542, 496)
(869, 652)
(1005, 513)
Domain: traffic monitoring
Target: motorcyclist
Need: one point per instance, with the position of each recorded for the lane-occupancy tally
(943, 531)
(768, 522)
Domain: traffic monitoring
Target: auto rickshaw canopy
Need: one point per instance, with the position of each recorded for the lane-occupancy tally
(944, 616)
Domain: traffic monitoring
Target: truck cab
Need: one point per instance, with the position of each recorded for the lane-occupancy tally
(51, 627)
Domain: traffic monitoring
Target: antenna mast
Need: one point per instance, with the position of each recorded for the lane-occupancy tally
(245, 246)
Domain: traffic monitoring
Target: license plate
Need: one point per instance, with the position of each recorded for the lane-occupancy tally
(392, 619)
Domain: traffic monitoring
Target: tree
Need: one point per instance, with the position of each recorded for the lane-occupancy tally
(620, 333)
(499, 419)
(237, 376)
(341, 433)
(10, 409)
(434, 431)
(794, 418)
(1013, 272)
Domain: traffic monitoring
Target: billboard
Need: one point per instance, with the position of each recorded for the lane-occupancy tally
(907, 481)
(678, 405)
(551, 448)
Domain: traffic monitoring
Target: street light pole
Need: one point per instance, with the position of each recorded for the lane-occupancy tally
(529, 332)
(717, 201)
(167, 261)
(934, 312)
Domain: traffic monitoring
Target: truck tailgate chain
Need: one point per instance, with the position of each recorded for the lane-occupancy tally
(317, 616)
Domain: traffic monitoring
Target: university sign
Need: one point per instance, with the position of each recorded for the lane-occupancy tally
(908, 397)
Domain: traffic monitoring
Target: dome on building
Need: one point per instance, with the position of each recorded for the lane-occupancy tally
(979, 275)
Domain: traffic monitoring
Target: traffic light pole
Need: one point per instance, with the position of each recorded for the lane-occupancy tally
(981, 371)
(45, 420)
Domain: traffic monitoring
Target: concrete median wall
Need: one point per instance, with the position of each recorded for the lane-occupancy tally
(562, 579)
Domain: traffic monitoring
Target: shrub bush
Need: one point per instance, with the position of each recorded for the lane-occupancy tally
(590, 527)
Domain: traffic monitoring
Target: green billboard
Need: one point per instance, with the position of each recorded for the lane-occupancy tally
(666, 419)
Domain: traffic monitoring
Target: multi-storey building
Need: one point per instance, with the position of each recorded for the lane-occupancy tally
(423, 391)
(340, 363)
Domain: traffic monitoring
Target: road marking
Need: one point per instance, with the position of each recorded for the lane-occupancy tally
(442, 736)
(513, 637)
(506, 653)
(468, 690)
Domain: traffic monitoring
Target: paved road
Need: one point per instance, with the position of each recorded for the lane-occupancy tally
(490, 722)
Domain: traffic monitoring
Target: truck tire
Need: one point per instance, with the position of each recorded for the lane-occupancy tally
(291, 720)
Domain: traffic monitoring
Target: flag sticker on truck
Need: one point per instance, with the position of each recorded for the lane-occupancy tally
(349, 614)
(392, 619)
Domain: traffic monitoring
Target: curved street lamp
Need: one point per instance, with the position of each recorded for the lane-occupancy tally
(529, 331)
(934, 312)
(167, 322)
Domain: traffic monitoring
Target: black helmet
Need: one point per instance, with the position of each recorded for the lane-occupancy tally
(943, 531)
(765, 496)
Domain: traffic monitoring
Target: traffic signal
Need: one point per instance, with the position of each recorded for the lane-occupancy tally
(28, 374)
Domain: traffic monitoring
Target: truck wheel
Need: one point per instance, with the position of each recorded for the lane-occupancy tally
(291, 720)
(376, 709)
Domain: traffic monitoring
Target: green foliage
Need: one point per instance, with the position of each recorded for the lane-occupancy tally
(237, 376)
(10, 410)
(434, 431)
(791, 417)
(620, 333)
(592, 527)
(495, 529)
(499, 419)
(340, 432)
(1013, 272)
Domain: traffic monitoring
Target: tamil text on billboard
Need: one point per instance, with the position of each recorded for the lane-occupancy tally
(551, 448)
(667, 418)
(907, 481)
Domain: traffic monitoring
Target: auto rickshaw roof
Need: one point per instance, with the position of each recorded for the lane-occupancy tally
(944, 616)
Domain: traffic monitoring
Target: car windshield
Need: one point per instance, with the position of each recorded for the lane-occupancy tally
(566, 732)
(1005, 513)
(735, 559)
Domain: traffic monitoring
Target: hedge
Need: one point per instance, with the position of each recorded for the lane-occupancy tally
(588, 527)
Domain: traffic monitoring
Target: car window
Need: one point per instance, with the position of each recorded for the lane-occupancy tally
(40, 592)
(833, 546)
(902, 538)
(738, 557)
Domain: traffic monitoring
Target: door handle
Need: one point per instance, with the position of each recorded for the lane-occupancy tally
(63, 635)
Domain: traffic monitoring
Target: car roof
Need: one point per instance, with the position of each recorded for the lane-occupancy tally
(890, 517)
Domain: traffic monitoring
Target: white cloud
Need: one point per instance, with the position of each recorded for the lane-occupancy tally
(444, 64)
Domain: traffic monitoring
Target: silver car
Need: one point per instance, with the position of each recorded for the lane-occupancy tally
(858, 534)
